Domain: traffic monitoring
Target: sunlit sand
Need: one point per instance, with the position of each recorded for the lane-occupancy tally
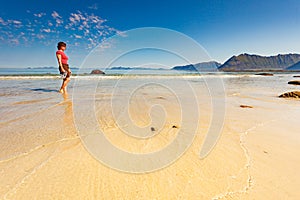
(256, 156)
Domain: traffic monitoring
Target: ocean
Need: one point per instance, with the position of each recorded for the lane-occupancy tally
(51, 71)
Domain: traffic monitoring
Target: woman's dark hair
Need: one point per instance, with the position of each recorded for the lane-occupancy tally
(61, 44)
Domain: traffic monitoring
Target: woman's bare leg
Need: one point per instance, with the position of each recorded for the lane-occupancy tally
(64, 84)
(61, 90)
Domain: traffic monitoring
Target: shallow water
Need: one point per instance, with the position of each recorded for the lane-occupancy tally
(26, 94)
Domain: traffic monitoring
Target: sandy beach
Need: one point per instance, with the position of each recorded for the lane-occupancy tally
(42, 154)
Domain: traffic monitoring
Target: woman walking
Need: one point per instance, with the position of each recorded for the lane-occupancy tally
(64, 69)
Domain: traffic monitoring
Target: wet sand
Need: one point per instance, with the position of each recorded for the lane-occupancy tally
(256, 156)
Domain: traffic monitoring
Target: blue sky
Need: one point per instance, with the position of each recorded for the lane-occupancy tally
(30, 30)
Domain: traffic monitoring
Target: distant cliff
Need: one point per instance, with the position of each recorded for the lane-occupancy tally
(201, 67)
(246, 62)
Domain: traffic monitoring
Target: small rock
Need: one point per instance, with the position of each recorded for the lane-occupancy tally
(293, 94)
(174, 126)
(264, 74)
(97, 71)
(294, 82)
(246, 106)
(152, 129)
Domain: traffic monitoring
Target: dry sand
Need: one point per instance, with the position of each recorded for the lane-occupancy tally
(256, 157)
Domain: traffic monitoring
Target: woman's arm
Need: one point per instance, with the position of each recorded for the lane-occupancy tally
(59, 62)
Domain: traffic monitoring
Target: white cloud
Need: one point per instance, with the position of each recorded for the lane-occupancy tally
(40, 36)
(30, 30)
(2, 22)
(76, 44)
(57, 17)
(75, 17)
(92, 43)
(77, 36)
(14, 41)
(39, 15)
(12, 22)
(46, 30)
(85, 24)
(121, 33)
(77, 28)
(16, 22)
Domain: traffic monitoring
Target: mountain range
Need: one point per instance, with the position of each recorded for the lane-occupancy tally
(201, 67)
(247, 62)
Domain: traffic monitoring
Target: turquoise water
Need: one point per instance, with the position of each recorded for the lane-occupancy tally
(21, 96)
(85, 71)
(52, 71)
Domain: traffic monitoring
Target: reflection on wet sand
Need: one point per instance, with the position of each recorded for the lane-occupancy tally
(68, 120)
